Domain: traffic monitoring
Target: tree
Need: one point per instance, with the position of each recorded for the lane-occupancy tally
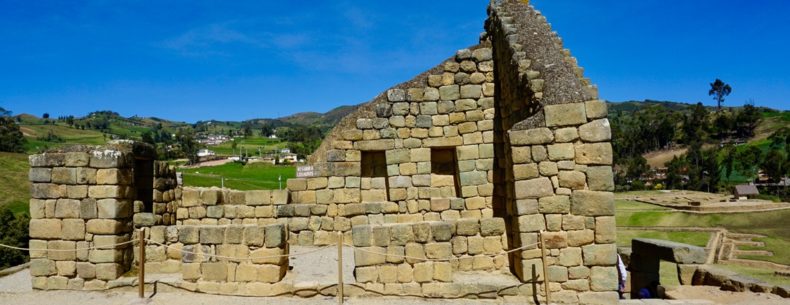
(14, 232)
(46, 115)
(11, 137)
(774, 165)
(637, 167)
(746, 121)
(728, 160)
(719, 90)
(748, 159)
(694, 124)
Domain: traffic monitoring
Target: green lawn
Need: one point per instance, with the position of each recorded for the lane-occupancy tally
(238, 176)
(624, 237)
(251, 144)
(14, 185)
(773, 224)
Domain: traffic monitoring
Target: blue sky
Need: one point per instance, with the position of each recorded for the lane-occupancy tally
(236, 60)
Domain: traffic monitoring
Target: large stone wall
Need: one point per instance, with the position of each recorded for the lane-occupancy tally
(470, 159)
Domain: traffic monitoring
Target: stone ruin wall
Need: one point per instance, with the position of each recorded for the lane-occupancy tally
(467, 160)
(555, 157)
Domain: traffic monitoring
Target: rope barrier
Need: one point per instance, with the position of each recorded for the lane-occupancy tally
(107, 247)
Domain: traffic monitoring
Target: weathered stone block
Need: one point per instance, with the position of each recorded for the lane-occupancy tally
(42, 267)
(600, 255)
(580, 237)
(73, 229)
(45, 228)
(114, 208)
(369, 256)
(214, 271)
(603, 279)
(39, 174)
(64, 250)
(592, 203)
(565, 114)
(600, 178)
(275, 236)
(572, 179)
(531, 223)
(595, 109)
(595, 131)
(106, 226)
(67, 208)
(467, 227)
(561, 151)
(534, 188)
(423, 272)
(105, 191)
(594, 153)
(492, 226)
(439, 250)
(531, 136)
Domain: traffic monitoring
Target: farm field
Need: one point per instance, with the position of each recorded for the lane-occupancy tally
(251, 144)
(35, 136)
(238, 176)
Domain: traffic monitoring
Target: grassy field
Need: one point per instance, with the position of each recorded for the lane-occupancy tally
(772, 224)
(251, 144)
(625, 236)
(69, 136)
(14, 185)
(767, 275)
(238, 176)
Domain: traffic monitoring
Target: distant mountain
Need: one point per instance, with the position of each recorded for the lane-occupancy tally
(328, 119)
(631, 106)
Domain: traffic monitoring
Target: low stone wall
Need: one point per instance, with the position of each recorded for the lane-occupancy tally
(731, 281)
(428, 251)
(233, 253)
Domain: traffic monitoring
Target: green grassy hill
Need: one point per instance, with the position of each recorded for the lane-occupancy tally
(14, 185)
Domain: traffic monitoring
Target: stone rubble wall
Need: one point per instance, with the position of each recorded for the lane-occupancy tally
(426, 252)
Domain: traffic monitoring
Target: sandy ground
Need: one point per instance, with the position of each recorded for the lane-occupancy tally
(726, 297)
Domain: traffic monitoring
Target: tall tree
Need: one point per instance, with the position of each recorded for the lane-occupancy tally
(719, 90)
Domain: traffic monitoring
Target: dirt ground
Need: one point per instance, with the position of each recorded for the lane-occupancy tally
(726, 297)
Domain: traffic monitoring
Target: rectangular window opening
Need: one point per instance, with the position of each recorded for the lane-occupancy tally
(444, 170)
(374, 176)
(144, 183)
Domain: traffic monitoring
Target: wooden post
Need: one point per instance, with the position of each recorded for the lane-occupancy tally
(545, 272)
(141, 269)
(339, 268)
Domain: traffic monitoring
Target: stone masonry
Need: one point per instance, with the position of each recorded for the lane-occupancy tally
(474, 157)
